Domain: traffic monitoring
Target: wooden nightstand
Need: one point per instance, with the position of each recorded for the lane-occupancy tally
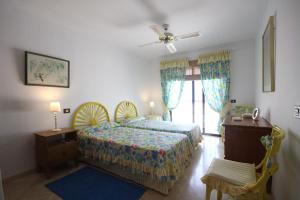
(153, 117)
(55, 147)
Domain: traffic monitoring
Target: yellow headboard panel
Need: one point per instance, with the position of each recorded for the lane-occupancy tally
(89, 114)
(125, 110)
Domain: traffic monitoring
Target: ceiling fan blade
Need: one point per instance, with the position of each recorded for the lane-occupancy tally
(171, 47)
(151, 43)
(187, 36)
(157, 29)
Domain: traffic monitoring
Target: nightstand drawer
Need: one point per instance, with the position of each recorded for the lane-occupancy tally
(62, 152)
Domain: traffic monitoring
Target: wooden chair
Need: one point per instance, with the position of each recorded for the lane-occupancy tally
(240, 180)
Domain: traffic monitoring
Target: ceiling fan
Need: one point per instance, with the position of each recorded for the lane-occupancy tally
(167, 38)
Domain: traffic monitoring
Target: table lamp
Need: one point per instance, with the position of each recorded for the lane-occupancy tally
(151, 104)
(55, 107)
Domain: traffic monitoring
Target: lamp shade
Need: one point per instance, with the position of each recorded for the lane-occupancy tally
(54, 106)
(151, 104)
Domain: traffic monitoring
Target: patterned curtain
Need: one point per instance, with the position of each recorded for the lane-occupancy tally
(172, 75)
(215, 77)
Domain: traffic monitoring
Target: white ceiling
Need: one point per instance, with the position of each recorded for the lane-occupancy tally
(126, 22)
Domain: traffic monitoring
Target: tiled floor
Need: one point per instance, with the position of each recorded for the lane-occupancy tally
(189, 187)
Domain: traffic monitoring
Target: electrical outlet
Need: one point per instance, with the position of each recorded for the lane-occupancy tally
(66, 110)
(297, 111)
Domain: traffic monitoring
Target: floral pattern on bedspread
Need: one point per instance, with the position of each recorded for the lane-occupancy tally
(162, 156)
(191, 130)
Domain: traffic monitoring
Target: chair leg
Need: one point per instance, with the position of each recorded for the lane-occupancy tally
(265, 195)
(208, 192)
(219, 196)
(261, 196)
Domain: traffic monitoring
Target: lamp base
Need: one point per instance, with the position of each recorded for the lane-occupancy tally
(56, 129)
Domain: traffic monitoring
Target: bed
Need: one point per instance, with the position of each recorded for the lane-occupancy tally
(126, 114)
(151, 158)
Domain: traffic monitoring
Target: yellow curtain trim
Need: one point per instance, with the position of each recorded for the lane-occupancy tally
(220, 56)
(174, 63)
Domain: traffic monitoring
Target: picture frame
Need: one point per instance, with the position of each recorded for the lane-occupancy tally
(43, 70)
(268, 56)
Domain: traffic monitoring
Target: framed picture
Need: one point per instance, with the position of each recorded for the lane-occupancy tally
(42, 70)
(268, 56)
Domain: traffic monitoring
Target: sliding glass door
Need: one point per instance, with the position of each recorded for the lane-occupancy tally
(184, 111)
(193, 108)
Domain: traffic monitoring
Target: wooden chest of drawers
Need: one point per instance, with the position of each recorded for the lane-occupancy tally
(242, 139)
(54, 148)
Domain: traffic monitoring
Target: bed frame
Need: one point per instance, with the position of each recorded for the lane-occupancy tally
(125, 110)
(93, 113)
(89, 114)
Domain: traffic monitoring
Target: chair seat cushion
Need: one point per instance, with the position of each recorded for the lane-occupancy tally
(236, 173)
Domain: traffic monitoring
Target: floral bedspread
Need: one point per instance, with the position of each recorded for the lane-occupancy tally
(160, 155)
(191, 130)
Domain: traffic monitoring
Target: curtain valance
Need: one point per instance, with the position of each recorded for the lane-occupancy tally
(215, 66)
(214, 57)
(179, 63)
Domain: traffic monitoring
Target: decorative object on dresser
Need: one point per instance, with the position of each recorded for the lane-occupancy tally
(240, 110)
(247, 116)
(255, 114)
(42, 70)
(55, 107)
(55, 147)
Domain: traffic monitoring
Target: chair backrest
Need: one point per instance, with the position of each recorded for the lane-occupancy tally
(278, 135)
(269, 165)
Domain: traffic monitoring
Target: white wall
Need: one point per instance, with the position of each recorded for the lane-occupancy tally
(278, 106)
(99, 72)
(241, 67)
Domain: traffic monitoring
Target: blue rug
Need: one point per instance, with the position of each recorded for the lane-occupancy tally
(91, 184)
